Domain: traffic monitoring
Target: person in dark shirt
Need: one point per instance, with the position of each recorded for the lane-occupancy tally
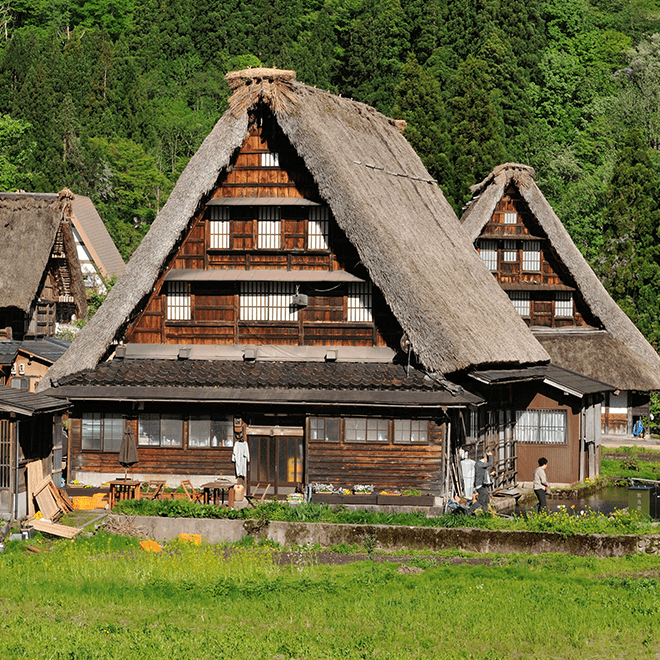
(481, 483)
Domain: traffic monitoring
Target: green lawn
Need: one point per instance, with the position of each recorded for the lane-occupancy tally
(633, 465)
(104, 598)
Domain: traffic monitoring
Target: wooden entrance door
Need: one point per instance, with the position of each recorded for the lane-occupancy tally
(276, 457)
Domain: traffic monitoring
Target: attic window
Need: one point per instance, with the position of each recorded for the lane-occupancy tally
(488, 253)
(511, 218)
(317, 228)
(269, 227)
(531, 255)
(359, 303)
(267, 301)
(219, 227)
(271, 159)
(564, 304)
(510, 252)
(520, 300)
(178, 301)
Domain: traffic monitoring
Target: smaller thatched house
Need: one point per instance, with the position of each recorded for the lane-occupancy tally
(531, 255)
(98, 255)
(41, 282)
(31, 440)
(306, 288)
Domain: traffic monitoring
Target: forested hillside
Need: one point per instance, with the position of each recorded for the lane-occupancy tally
(110, 98)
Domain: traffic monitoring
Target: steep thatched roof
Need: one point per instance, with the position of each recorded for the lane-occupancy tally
(30, 223)
(480, 210)
(383, 199)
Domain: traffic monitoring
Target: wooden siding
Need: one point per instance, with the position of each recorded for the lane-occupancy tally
(563, 460)
(542, 284)
(215, 306)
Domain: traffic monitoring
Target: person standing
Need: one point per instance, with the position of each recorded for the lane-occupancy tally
(541, 487)
(481, 483)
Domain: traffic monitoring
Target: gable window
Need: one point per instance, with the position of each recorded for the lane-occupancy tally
(156, 430)
(488, 253)
(545, 427)
(564, 304)
(366, 430)
(531, 255)
(317, 228)
(271, 159)
(269, 227)
(102, 432)
(219, 227)
(206, 431)
(410, 431)
(267, 301)
(359, 303)
(511, 218)
(324, 429)
(510, 252)
(520, 300)
(178, 301)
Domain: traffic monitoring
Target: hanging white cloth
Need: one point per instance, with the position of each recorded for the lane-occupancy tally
(468, 470)
(241, 457)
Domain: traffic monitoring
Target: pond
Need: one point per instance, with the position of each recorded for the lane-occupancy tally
(605, 500)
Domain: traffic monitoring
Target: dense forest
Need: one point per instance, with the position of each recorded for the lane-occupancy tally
(110, 98)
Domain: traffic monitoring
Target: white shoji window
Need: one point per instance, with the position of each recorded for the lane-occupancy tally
(359, 302)
(366, 430)
(511, 218)
(531, 255)
(520, 300)
(488, 253)
(564, 303)
(178, 301)
(267, 301)
(410, 430)
(270, 160)
(317, 228)
(545, 427)
(269, 227)
(510, 251)
(207, 431)
(219, 227)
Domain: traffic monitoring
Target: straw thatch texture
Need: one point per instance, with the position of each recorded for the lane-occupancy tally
(480, 210)
(383, 199)
(30, 222)
(597, 354)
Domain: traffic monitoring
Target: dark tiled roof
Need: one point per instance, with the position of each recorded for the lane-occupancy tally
(28, 403)
(50, 348)
(257, 375)
(8, 351)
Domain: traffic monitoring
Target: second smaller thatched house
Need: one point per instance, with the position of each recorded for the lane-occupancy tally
(531, 255)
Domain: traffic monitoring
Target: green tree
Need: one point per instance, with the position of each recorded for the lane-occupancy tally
(14, 153)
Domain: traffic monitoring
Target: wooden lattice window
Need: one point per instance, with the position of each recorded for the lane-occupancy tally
(219, 228)
(510, 251)
(511, 218)
(318, 226)
(564, 304)
(5, 453)
(271, 159)
(359, 303)
(531, 255)
(269, 227)
(267, 301)
(178, 301)
(488, 253)
(521, 302)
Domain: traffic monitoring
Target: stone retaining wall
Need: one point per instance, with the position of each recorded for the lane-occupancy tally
(392, 538)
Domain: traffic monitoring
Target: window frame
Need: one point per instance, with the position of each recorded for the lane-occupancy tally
(224, 221)
(269, 227)
(518, 297)
(538, 430)
(103, 432)
(568, 301)
(271, 307)
(321, 425)
(509, 251)
(422, 430)
(360, 303)
(535, 261)
(488, 249)
(160, 418)
(319, 239)
(226, 422)
(178, 302)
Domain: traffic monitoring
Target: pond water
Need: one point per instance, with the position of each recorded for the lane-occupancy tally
(605, 500)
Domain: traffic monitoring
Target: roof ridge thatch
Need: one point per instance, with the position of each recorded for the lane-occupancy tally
(479, 211)
(405, 231)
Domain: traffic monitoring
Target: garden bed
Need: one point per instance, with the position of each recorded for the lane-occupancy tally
(374, 499)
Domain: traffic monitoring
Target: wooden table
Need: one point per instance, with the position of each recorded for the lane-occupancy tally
(123, 490)
(214, 493)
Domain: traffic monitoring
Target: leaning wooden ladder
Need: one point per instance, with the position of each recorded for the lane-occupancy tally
(253, 499)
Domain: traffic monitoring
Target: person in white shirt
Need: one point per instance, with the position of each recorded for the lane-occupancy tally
(541, 486)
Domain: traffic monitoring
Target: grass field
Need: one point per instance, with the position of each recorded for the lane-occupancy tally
(104, 598)
(633, 465)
